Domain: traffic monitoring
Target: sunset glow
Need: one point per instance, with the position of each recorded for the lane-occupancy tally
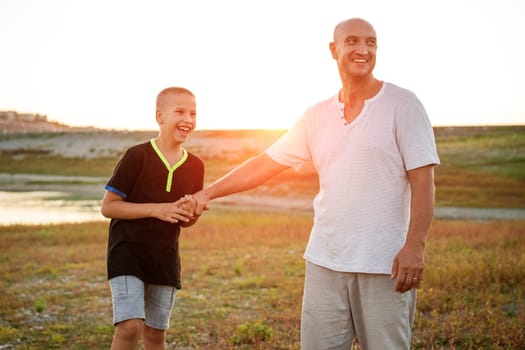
(253, 64)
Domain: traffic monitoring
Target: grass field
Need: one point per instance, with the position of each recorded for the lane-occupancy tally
(481, 166)
(242, 285)
(243, 271)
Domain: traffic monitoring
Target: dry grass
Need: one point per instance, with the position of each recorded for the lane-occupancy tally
(242, 285)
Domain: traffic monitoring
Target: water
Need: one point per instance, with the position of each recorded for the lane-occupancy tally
(54, 207)
(46, 207)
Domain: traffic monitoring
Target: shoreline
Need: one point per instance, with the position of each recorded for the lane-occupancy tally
(74, 199)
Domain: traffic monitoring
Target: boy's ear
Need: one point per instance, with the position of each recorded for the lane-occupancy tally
(158, 116)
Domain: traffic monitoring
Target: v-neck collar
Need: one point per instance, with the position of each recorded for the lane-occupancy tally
(164, 160)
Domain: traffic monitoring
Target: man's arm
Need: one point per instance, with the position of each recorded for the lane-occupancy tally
(250, 174)
(410, 261)
(114, 206)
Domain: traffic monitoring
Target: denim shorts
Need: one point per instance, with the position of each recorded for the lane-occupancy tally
(134, 299)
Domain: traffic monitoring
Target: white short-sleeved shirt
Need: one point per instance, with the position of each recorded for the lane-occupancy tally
(362, 208)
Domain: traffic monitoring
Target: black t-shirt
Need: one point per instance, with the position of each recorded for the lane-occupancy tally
(148, 248)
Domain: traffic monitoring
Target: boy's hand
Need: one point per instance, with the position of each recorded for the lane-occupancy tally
(187, 203)
(180, 211)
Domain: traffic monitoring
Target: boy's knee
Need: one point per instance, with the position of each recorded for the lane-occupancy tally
(155, 336)
(129, 330)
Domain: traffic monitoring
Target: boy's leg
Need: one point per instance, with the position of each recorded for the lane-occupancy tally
(159, 304)
(127, 334)
(154, 339)
(128, 310)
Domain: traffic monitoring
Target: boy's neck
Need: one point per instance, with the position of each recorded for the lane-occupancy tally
(171, 150)
(168, 145)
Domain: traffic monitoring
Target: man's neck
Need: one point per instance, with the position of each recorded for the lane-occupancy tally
(358, 90)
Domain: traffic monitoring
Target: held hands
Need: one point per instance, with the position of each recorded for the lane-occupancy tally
(408, 267)
(187, 203)
(180, 211)
(201, 202)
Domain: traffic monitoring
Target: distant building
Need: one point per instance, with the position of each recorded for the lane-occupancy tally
(8, 115)
(11, 116)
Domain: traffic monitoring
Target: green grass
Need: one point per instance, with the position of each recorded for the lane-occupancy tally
(55, 165)
(481, 166)
(242, 285)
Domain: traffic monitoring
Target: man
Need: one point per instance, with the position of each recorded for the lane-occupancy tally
(374, 150)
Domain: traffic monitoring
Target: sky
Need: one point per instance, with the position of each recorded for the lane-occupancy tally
(254, 64)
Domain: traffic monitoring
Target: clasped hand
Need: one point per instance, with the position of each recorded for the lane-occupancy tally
(185, 210)
(182, 210)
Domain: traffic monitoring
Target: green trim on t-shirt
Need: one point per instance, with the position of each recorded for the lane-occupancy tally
(171, 169)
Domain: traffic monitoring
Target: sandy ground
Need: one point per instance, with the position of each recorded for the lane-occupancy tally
(205, 143)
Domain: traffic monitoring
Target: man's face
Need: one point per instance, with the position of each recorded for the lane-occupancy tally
(354, 48)
(177, 115)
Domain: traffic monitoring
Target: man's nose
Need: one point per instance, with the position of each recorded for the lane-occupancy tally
(362, 48)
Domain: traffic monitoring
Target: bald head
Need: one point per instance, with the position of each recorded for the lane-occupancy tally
(354, 49)
(352, 23)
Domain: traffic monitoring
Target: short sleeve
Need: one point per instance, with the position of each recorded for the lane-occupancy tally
(125, 174)
(292, 149)
(414, 134)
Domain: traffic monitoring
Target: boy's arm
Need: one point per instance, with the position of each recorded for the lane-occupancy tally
(115, 207)
(250, 174)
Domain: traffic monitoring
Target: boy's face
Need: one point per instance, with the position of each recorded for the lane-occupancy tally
(176, 115)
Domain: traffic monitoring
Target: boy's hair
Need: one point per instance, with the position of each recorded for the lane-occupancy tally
(172, 91)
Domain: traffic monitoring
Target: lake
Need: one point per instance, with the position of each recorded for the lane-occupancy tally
(46, 207)
(54, 207)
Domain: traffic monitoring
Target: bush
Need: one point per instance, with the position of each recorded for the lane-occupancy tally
(251, 333)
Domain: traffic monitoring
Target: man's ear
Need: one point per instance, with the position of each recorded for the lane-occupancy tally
(158, 116)
(333, 51)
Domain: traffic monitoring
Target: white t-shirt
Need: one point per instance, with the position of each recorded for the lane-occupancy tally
(362, 208)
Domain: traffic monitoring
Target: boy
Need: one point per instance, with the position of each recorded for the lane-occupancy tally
(148, 200)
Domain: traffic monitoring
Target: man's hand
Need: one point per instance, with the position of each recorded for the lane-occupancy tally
(187, 203)
(408, 267)
(180, 211)
(201, 202)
